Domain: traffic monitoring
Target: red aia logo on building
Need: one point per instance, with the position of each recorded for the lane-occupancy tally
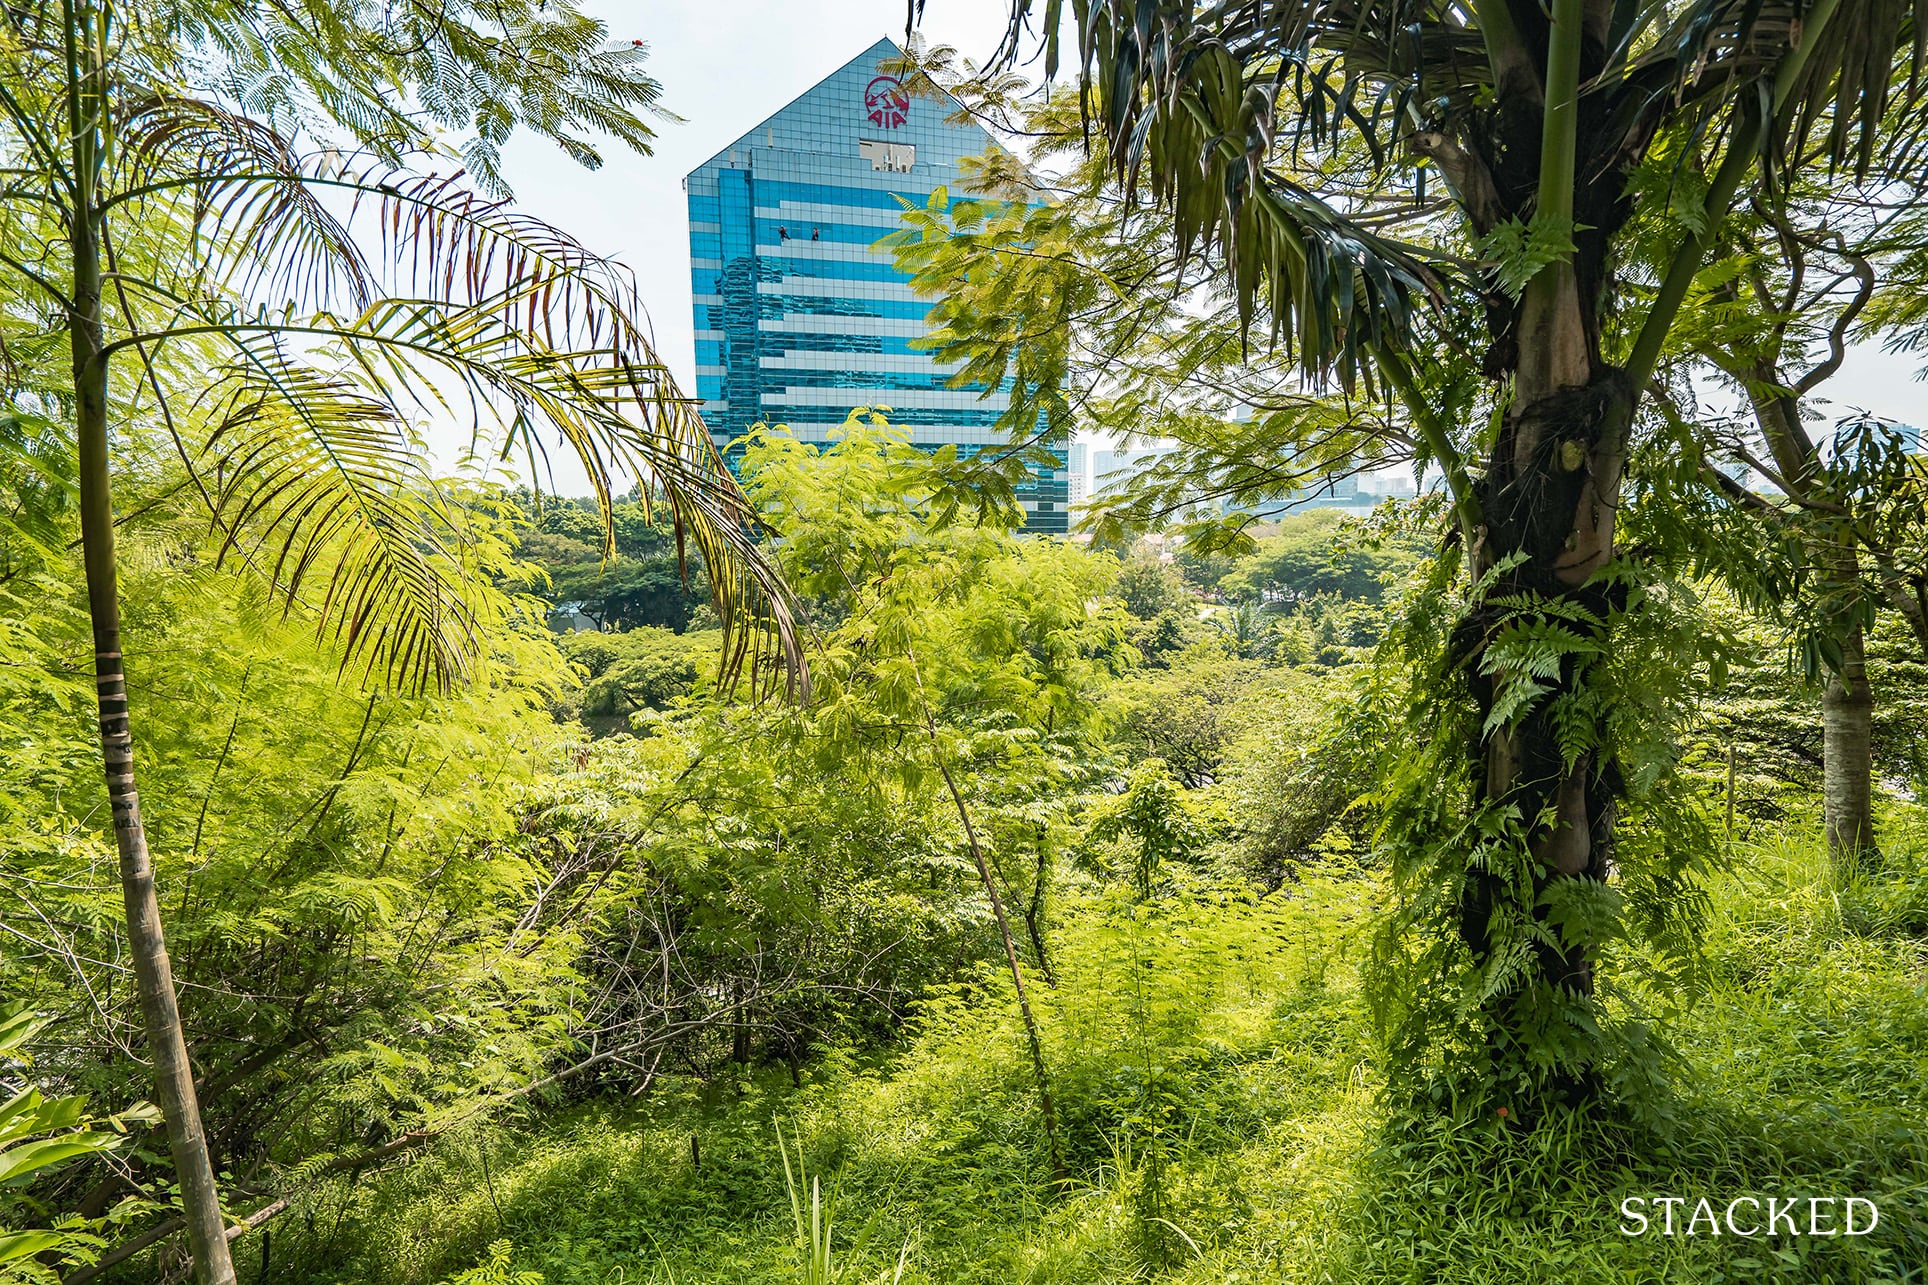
(886, 103)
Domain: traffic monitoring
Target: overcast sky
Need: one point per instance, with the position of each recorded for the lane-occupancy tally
(725, 65)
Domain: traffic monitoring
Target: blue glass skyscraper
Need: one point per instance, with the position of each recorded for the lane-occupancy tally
(798, 320)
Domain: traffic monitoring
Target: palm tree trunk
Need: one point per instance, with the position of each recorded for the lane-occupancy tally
(153, 974)
(1847, 718)
(1550, 492)
(1548, 499)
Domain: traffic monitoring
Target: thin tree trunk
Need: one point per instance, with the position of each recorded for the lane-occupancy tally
(1847, 703)
(1847, 718)
(1034, 912)
(1847, 730)
(739, 1025)
(153, 974)
(1031, 1036)
(1011, 959)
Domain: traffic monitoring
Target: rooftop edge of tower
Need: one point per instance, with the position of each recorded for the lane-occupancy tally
(884, 48)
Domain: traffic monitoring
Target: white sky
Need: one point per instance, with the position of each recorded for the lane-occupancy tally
(725, 65)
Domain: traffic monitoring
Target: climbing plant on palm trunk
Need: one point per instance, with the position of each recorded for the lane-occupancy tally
(287, 321)
(1548, 128)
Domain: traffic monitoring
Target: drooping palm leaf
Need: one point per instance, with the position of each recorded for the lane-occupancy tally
(316, 481)
(1208, 104)
(465, 311)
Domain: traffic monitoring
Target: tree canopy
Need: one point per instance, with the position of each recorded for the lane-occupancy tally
(793, 866)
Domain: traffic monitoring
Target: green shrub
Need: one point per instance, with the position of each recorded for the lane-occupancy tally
(1219, 1095)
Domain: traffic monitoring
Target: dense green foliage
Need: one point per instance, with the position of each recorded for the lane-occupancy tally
(1497, 244)
(1303, 560)
(1217, 1062)
(512, 983)
(39, 1134)
(794, 871)
(642, 578)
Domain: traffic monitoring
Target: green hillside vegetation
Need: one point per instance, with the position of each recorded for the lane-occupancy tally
(1212, 1050)
(631, 672)
(781, 863)
(1314, 554)
(1185, 856)
(640, 581)
(1207, 1022)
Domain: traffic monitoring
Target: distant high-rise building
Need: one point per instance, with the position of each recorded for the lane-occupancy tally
(798, 319)
(1339, 493)
(1078, 461)
(1112, 471)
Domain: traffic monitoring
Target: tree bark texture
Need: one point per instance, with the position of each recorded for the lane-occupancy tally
(1847, 725)
(1548, 501)
(1847, 702)
(153, 973)
(1847, 732)
(1549, 493)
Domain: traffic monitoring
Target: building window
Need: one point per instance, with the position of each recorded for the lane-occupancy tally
(895, 157)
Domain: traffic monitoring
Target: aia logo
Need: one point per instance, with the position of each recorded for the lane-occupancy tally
(886, 103)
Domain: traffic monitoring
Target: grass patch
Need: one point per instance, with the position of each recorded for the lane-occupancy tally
(1212, 1062)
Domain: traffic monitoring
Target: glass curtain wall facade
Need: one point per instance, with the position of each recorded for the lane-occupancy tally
(798, 319)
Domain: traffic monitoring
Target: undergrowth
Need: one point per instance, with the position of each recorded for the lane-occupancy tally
(1212, 1062)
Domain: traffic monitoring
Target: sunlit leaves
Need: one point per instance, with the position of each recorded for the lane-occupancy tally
(300, 325)
(40, 1134)
(1519, 250)
(1089, 314)
(480, 70)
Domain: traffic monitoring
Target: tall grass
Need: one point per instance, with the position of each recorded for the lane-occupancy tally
(817, 1261)
(1218, 1094)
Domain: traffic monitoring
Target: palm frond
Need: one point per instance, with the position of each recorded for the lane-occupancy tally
(460, 310)
(316, 484)
(1182, 113)
(1211, 104)
(1830, 66)
(238, 211)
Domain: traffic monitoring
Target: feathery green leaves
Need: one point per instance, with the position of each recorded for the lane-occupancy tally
(301, 324)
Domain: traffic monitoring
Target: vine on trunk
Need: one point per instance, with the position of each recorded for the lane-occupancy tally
(1486, 977)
